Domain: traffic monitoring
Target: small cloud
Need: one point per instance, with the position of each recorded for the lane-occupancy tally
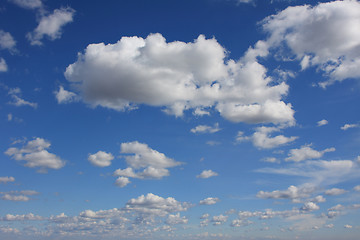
(348, 126)
(207, 174)
(322, 122)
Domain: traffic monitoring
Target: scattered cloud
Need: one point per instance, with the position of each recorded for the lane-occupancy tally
(35, 155)
(207, 174)
(51, 25)
(322, 122)
(206, 129)
(262, 139)
(7, 179)
(209, 201)
(178, 76)
(348, 126)
(29, 4)
(335, 191)
(306, 153)
(101, 159)
(64, 96)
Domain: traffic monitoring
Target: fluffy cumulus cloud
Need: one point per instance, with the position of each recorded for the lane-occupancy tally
(322, 36)
(178, 76)
(144, 163)
(206, 129)
(101, 159)
(207, 174)
(209, 201)
(51, 25)
(64, 96)
(7, 179)
(305, 153)
(262, 138)
(293, 193)
(156, 205)
(29, 4)
(35, 155)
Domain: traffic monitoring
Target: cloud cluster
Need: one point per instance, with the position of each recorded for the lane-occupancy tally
(178, 76)
(306, 153)
(139, 156)
(51, 25)
(35, 155)
(262, 139)
(322, 36)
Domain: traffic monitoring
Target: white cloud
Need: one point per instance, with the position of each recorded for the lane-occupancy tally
(309, 207)
(321, 36)
(207, 174)
(64, 96)
(322, 122)
(155, 205)
(206, 129)
(122, 181)
(51, 25)
(101, 159)
(7, 179)
(209, 201)
(262, 139)
(29, 4)
(347, 126)
(178, 76)
(319, 172)
(218, 220)
(3, 65)
(35, 155)
(305, 153)
(293, 193)
(176, 219)
(7, 41)
(335, 191)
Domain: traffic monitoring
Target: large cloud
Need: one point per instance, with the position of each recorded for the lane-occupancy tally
(178, 76)
(35, 155)
(324, 36)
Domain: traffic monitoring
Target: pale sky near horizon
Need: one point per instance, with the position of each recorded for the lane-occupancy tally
(206, 119)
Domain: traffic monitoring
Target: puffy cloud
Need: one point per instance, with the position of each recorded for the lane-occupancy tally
(292, 193)
(153, 163)
(178, 76)
(262, 138)
(348, 126)
(206, 129)
(7, 179)
(309, 207)
(335, 191)
(176, 219)
(321, 36)
(122, 181)
(51, 25)
(218, 220)
(35, 155)
(322, 122)
(64, 96)
(207, 174)
(29, 4)
(155, 205)
(101, 159)
(305, 153)
(209, 201)
(6, 41)
(3, 65)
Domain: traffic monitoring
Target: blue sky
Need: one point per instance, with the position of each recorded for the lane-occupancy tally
(207, 119)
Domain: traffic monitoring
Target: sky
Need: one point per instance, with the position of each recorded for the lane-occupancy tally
(206, 119)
